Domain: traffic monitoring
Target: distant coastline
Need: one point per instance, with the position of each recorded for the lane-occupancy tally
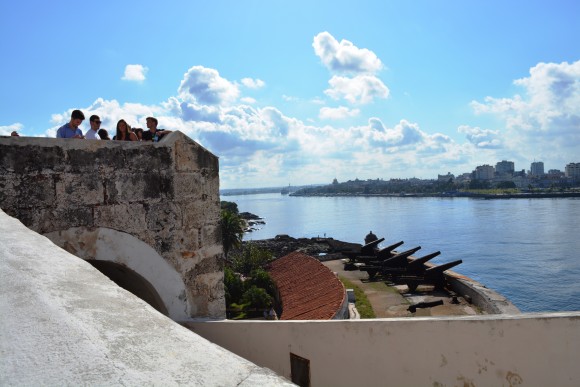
(525, 195)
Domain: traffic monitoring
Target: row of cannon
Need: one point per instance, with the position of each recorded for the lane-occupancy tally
(398, 267)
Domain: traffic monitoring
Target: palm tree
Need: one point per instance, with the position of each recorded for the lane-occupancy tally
(232, 230)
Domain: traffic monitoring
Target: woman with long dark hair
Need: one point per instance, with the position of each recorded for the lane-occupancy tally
(124, 132)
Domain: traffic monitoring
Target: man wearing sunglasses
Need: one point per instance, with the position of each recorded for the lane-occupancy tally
(92, 133)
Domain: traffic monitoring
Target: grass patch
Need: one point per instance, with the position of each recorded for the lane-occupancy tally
(362, 302)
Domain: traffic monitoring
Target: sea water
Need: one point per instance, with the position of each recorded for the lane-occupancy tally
(526, 249)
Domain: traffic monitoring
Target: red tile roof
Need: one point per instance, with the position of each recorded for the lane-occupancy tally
(308, 289)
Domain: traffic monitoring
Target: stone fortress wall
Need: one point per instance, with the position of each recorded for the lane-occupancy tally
(151, 209)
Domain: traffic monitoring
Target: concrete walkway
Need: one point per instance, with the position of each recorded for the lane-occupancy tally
(394, 301)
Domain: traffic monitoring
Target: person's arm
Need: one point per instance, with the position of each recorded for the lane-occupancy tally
(133, 136)
(79, 134)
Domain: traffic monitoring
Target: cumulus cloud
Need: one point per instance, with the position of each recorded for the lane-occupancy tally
(481, 138)
(344, 56)
(135, 72)
(253, 83)
(361, 89)
(341, 112)
(544, 120)
(205, 86)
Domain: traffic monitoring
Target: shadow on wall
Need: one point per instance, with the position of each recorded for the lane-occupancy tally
(131, 282)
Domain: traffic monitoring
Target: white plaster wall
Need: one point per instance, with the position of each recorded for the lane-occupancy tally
(63, 323)
(529, 350)
(106, 244)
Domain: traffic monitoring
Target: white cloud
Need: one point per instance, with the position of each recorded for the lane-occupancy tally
(543, 122)
(261, 146)
(205, 86)
(345, 56)
(248, 100)
(135, 72)
(253, 83)
(481, 138)
(341, 112)
(361, 89)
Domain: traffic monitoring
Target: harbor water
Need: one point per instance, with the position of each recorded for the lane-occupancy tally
(526, 249)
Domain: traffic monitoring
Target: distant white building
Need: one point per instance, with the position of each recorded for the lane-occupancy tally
(537, 168)
(505, 168)
(484, 172)
(573, 170)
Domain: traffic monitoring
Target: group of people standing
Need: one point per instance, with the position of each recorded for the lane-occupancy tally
(124, 131)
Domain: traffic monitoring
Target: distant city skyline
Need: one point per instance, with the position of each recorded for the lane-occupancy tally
(304, 92)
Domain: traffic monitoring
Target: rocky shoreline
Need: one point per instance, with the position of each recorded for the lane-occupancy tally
(324, 249)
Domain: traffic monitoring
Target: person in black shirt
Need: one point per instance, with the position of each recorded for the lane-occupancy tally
(153, 134)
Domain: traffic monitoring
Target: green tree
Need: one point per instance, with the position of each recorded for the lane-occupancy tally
(251, 257)
(261, 278)
(234, 286)
(257, 298)
(230, 206)
(232, 230)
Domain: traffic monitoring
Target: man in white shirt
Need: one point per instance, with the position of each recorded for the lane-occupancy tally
(95, 122)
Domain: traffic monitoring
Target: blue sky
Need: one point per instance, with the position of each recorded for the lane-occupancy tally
(302, 92)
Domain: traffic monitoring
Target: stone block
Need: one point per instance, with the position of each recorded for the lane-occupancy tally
(78, 189)
(126, 217)
(192, 157)
(163, 216)
(60, 218)
(30, 158)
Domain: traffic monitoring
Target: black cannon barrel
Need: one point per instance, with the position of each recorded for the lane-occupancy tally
(369, 248)
(417, 263)
(385, 252)
(401, 258)
(441, 268)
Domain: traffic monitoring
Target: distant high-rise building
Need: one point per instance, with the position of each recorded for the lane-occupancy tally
(573, 170)
(484, 172)
(505, 168)
(537, 168)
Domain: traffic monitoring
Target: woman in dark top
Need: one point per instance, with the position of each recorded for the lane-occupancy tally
(124, 132)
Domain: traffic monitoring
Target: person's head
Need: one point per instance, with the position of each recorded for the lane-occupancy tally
(103, 134)
(14, 134)
(122, 129)
(95, 122)
(151, 123)
(139, 133)
(76, 118)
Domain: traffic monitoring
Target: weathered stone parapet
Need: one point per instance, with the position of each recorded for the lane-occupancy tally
(164, 194)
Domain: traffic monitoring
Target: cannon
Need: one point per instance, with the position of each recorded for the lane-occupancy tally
(432, 276)
(386, 252)
(369, 248)
(395, 265)
(418, 264)
(400, 259)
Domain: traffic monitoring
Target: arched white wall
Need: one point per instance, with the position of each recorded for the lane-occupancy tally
(106, 244)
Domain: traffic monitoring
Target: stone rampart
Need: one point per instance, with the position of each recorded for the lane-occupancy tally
(151, 207)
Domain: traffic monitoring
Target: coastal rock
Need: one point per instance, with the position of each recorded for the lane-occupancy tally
(323, 249)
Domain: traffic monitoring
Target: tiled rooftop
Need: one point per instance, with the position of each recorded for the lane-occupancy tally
(308, 289)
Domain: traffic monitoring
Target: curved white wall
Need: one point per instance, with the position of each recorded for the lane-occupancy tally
(105, 244)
